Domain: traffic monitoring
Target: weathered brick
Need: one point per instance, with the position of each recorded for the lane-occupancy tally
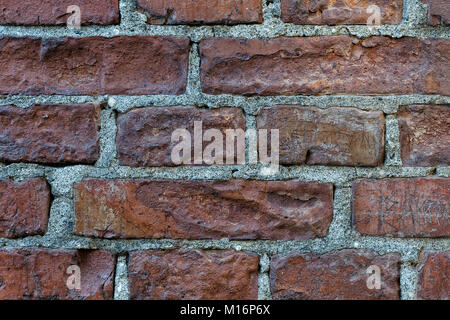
(201, 11)
(325, 65)
(425, 135)
(438, 12)
(144, 136)
(24, 208)
(332, 12)
(193, 274)
(336, 275)
(54, 12)
(434, 276)
(404, 207)
(333, 136)
(203, 209)
(42, 274)
(49, 134)
(94, 65)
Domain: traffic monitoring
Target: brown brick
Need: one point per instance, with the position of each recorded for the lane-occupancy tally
(325, 65)
(404, 207)
(425, 135)
(334, 136)
(24, 208)
(144, 135)
(193, 275)
(438, 12)
(332, 12)
(339, 275)
(434, 276)
(49, 134)
(42, 274)
(203, 209)
(94, 65)
(54, 12)
(201, 11)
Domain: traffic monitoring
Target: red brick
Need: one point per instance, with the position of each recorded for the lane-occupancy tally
(404, 207)
(144, 136)
(334, 136)
(332, 12)
(193, 275)
(203, 209)
(338, 275)
(42, 274)
(425, 135)
(438, 12)
(434, 276)
(54, 12)
(50, 134)
(94, 65)
(325, 65)
(24, 208)
(201, 11)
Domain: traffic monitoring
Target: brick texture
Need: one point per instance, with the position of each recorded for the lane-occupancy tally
(334, 136)
(54, 12)
(438, 12)
(201, 11)
(338, 275)
(50, 134)
(325, 65)
(94, 65)
(434, 276)
(24, 208)
(42, 274)
(333, 12)
(414, 207)
(203, 209)
(193, 274)
(425, 135)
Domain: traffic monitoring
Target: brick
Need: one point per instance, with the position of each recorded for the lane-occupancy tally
(50, 134)
(337, 275)
(403, 207)
(24, 208)
(425, 135)
(438, 12)
(42, 274)
(332, 12)
(120, 65)
(333, 136)
(434, 273)
(144, 136)
(54, 12)
(325, 65)
(201, 11)
(236, 209)
(193, 275)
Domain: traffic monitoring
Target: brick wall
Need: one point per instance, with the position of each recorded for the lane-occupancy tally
(88, 186)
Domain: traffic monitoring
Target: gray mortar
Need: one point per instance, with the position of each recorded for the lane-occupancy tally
(341, 234)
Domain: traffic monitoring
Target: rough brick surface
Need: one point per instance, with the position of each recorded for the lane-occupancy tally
(144, 137)
(434, 276)
(414, 207)
(49, 134)
(425, 135)
(333, 12)
(193, 274)
(201, 11)
(54, 12)
(335, 275)
(438, 12)
(334, 136)
(42, 274)
(325, 65)
(94, 65)
(24, 208)
(203, 209)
